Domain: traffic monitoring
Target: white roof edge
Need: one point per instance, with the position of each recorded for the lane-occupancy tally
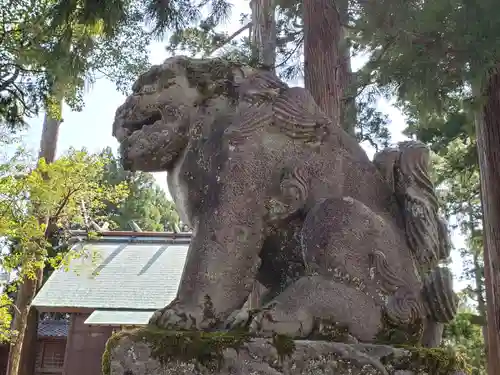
(119, 317)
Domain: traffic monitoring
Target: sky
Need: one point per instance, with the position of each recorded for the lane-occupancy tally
(91, 128)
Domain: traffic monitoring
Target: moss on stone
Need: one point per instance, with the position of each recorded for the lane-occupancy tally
(436, 361)
(205, 348)
(285, 345)
(392, 334)
(213, 78)
(106, 356)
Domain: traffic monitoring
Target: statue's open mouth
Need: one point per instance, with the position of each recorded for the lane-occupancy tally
(151, 139)
(135, 125)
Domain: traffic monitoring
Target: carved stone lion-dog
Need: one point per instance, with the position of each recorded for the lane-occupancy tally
(275, 192)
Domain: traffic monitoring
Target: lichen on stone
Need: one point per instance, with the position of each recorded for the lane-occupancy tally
(212, 77)
(435, 361)
(203, 348)
(205, 352)
(393, 334)
(331, 330)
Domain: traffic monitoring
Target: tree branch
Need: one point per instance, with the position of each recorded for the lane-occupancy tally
(371, 66)
(230, 38)
(286, 59)
(59, 209)
(10, 80)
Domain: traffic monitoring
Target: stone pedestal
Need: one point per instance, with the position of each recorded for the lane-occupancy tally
(149, 351)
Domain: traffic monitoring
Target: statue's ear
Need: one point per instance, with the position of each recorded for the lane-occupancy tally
(294, 190)
(385, 161)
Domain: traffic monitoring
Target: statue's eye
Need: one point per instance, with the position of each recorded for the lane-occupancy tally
(171, 112)
(168, 83)
(147, 89)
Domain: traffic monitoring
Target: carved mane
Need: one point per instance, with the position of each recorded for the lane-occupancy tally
(406, 169)
(268, 103)
(415, 191)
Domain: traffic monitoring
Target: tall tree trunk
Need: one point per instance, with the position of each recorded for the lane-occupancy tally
(348, 110)
(22, 355)
(327, 65)
(50, 135)
(488, 145)
(263, 32)
(263, 44)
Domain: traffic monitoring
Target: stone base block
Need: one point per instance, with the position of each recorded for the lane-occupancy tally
(150, 351)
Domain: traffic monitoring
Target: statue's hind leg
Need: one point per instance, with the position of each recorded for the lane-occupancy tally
(314, 301)
(340, 286)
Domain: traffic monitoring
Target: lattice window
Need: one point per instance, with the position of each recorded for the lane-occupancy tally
(50, 355)
(53, 354)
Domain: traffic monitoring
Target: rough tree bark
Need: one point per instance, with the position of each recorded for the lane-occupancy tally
(488, 145)
(263, 43)
(263, 32)
(22, 355)
(50, 135)
(327, 63)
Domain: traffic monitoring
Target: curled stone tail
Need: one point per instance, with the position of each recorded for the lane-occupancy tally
(440, 300)
(404, 307)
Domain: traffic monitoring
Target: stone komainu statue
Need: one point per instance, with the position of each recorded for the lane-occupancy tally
(276, 193)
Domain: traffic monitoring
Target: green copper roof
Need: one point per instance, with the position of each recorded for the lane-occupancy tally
(137, 274)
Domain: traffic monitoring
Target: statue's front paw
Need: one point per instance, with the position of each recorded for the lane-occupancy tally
(176, 316)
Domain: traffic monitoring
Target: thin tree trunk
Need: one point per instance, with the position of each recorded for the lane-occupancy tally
(19, 323)
(348, 111)
(50, 135)
(263, 32)
(488, 145)
(478, 276)
(478, 279)
(327, 69)
(22, 355)
(481, 303)
(478, 273)
(263, 44)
